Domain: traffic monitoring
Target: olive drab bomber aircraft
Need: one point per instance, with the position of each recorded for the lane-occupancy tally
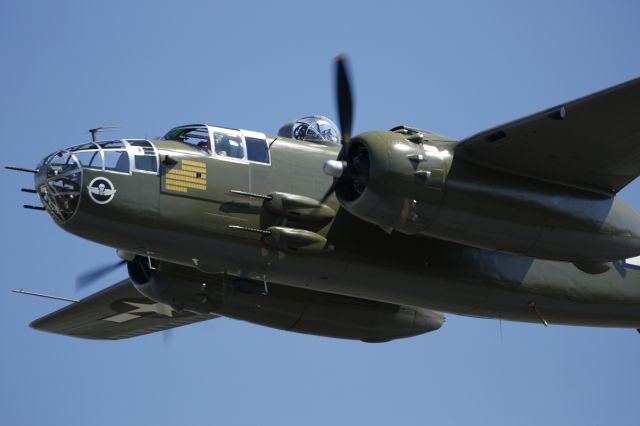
(372, 237)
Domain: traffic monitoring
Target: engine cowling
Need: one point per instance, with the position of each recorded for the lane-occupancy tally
(393, 182)
(143, 273)
(398, 181)
(281, 307)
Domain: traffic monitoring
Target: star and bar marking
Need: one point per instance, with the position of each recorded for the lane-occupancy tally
(140, 308)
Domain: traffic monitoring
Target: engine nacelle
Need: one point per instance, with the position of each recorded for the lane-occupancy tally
(398, 181)
(143, 274)
(393, 182)
(281, 307)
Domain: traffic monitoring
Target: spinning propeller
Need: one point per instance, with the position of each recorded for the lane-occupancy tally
(350, 169)
(90, 276)
(336, 168)
(345, 102)
(87, 278)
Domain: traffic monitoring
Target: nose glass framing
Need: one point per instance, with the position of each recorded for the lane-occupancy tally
(59, 181)
(59, 184)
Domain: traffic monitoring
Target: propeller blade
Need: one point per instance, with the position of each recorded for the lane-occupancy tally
(344, 98)
(345, 115)
(167, 337)
(330, 191)
(92, 275)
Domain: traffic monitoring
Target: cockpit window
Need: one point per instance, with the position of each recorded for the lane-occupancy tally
(91, 159)
(122, 156)
(116, 157)
(144, 155)
(116, 160)
(112, 145)
(60, 163)
(197, 137)
(257, 149)
(88, 155)
(144, 144)
(228, 144)
(223, 143)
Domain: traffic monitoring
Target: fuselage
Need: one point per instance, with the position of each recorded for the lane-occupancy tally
(195, 212)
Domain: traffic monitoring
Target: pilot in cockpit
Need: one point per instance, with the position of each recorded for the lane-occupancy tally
(228, 145)
(221, 144)
(205, 146)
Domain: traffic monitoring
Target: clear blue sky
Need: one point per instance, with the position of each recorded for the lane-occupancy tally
(452, 67)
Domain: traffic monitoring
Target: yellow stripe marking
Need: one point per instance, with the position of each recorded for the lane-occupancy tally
(171, 182)
(194, 163)
(194, 169)
(183, 183)
(185, 173)
(176, 188)
(187, 179)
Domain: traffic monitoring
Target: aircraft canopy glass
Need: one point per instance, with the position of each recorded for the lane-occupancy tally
(314, 128)
(223, 143)
(123, 156)
(59, 181)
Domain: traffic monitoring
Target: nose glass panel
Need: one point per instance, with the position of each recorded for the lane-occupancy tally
(59, 181)
(59, 184)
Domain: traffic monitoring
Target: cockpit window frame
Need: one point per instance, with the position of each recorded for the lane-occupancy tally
(132, 154)
(90, 147)
(125, 147)
(178, 133)
(230, 132)
(240, 134)
(260, 136)
(115, 146)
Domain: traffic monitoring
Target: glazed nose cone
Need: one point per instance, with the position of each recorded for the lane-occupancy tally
(59, 185)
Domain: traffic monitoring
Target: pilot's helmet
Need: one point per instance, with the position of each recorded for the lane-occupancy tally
(314, 128)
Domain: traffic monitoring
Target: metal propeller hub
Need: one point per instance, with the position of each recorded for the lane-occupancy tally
(334, 168)
(355, 177)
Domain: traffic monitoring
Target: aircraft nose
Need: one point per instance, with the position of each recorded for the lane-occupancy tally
(59, 184)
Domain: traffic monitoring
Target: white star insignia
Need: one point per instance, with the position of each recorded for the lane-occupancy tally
(141, 308)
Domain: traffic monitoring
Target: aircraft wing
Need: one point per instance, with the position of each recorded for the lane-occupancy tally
(591, 143)
(117, 312)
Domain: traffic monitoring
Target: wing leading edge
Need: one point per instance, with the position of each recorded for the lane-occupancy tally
(117, 312)
(590, 143)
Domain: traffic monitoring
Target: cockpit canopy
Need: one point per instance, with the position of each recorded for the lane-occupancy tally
(222, 142)
(124, 156)
(314, 128)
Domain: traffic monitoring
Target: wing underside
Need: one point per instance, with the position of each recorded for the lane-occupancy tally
(117, 312)
(590, 143)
